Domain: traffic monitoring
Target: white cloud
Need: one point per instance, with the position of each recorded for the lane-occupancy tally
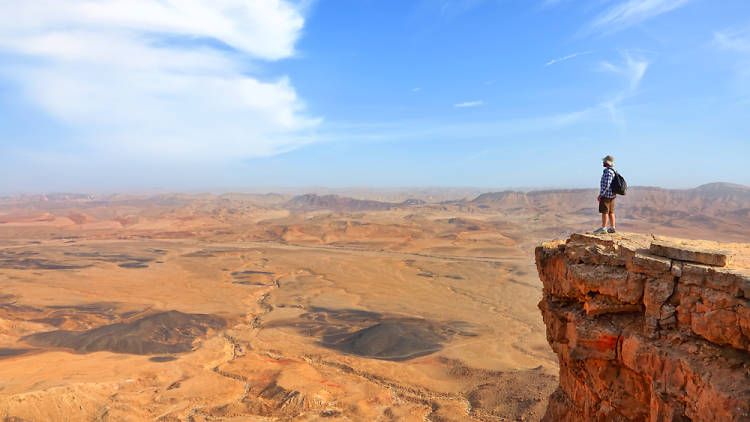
(489, 129)
(631, 12)
(470, 104)
(632, 71)
(568, 57)
(165, 78)
(416, 89)
(737, 41)
(733, 39)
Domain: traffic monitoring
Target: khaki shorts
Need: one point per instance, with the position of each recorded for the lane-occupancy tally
(607, 205)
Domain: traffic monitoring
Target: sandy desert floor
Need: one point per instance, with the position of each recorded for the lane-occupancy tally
(226, 309)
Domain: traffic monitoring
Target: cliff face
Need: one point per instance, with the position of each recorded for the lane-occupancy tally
(647, 329)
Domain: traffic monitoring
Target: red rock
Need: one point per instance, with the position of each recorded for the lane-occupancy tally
(691, 252)
(600, 304)
(645, 338)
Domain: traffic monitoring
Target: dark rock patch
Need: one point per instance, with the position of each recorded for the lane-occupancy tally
(95, 307)
(248, 272)
(162, 358)
(373, 335)
(199, 254)
(132, 265)
(389, 340)
(70, 317)
(253, 277)
(330, 413)
(6, 353)
(14, 419)
(29, 260)
(23, 260)
(165, 332)
(112, 257)
(8, 298)
(8, 310)
(210, 253)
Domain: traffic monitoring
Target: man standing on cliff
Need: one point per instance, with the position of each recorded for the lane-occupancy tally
(606, 196)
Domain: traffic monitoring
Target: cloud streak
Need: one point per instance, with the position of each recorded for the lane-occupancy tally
(632, 71)
(169, 80)
(733, 40)
(469, 104)
(737, 41)
(631, 12)
(568, 57)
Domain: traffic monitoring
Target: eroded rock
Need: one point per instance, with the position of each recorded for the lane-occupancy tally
(644, 332)
(690, 252)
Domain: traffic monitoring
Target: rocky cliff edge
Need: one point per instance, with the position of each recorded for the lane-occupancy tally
(647, 328)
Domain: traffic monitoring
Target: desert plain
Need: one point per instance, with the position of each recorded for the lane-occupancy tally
(360, 306)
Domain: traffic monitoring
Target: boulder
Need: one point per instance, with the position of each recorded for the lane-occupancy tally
(690, 253)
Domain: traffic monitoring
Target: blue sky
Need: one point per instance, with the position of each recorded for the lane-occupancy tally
(117, 94)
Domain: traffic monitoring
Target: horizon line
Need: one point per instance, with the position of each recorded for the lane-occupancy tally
(303, 190)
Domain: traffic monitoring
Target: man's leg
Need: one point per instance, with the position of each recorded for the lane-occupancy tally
(611, 220)
(604, 211)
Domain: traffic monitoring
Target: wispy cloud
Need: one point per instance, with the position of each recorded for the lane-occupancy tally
(632, 71)
(163, 79)
(416, 89)
(470, 104)
(733, 39)
(631, 12)
(568, 57)
(737, 41)
(419, 129)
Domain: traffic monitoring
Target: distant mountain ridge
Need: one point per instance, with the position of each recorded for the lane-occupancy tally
(309, 202)
(714, 199)
(312, 201)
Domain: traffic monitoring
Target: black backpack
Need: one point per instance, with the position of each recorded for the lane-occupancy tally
(618, 184)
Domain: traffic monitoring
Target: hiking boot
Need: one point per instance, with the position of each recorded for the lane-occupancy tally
(601, 230)
(611, 230)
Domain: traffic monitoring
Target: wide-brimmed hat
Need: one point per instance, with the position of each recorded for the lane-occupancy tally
(609, 160)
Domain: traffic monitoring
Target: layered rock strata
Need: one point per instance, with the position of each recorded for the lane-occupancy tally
(647, 329)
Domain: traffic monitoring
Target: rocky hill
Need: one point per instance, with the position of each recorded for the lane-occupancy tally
(647, 328)
(311, 202)
(715, 199)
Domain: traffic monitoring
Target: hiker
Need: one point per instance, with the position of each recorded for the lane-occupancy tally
(607, 196)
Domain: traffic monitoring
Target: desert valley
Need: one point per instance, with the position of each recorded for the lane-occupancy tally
(238, 307)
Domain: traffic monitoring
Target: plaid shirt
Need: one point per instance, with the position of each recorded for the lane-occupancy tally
(605, 186)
